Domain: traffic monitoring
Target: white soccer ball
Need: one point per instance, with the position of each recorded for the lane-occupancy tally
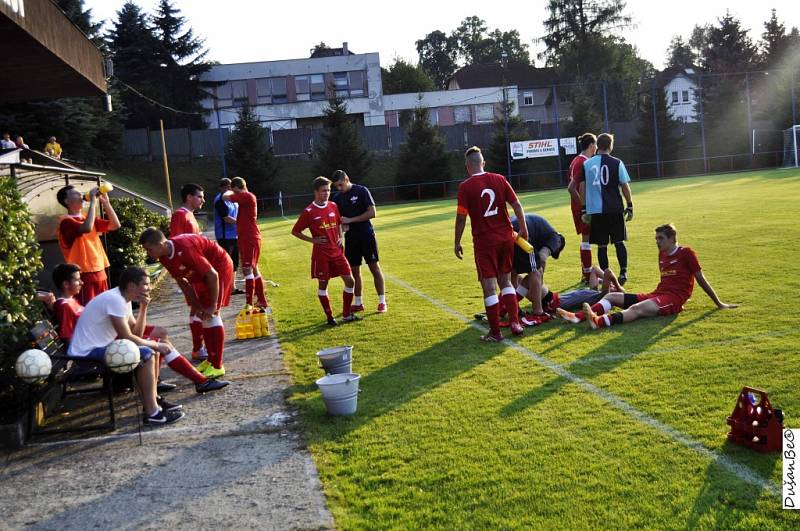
(33, 365)
(122, 355)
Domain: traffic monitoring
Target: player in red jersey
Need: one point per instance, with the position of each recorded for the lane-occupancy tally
(191, 259)
(483, 197)
(679, 268)
(184, 222)
(588, 144)
(249, 240)
(322, 219)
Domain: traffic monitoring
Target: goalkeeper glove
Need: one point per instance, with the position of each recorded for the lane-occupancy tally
(629, 212)
(586, 218)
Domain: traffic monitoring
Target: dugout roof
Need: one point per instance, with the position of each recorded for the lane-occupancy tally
(44, 56)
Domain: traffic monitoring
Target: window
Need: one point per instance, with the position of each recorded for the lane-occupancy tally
(317, 82)
(278, 90)
(484, 113)
(349, 84)
(527, 98)
(340, 84)
(461, 114)
(231, 93)
(302, 88)
(685, 96)
(263, 91)
(674, 96)
(271, 90)
(433, 116)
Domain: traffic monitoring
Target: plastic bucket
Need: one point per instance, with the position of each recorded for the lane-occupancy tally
(336, 360)
(340, 393)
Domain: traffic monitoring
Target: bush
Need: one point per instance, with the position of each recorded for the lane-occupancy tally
(20, 263)
(122, 244)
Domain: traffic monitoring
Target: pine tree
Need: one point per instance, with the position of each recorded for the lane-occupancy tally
(680, 54)
(585, 112)
(423, 157)
(340, 147)
(498, 152)
(249, 155)
(82, 18)
(670, 141)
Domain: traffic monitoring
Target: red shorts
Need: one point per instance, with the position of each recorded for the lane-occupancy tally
(148, 332)
(200, 289)
(667, 304)
(249, 252)
(325, 267)
(225, 276)
(93, 285)
(580, 227)
(494, 261)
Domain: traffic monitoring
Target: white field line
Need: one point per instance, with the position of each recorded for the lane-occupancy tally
(741, 471)
(603, 358)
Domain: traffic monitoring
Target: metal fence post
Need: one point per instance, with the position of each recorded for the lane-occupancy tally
(749, 116)
(605, 105)
(558, 133)
(655, 128)
(703, 125)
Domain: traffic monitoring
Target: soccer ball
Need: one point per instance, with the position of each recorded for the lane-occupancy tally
(33, 365)
(122, 356)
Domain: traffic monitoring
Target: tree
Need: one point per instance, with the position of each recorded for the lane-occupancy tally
(403, 77)
(670, 141)
(776, 48)
(340, 146)
(471, 39)
(508, 42)
(82, 18)
(437, 56)
(249, 154)
(585, 111)
(498, 152)
(680, 54)
(423, 157)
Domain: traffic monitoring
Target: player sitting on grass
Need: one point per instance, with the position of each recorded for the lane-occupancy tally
(679, 268)
(322, 219)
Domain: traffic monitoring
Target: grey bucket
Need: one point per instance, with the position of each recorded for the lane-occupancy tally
(336, 360)
(340, 393)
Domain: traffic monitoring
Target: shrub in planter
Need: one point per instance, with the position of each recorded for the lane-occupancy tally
(20, 263)
(122, 245)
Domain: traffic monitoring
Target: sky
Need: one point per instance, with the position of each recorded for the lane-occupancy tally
(239, 31)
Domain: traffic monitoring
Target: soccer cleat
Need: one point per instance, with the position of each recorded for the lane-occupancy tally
(622, 278)
(356, 308)
(167, 406)
(492, 338)
(332, 322)
(200, 355)
(382, 308)
(567, 316)
(517, 329)
(163, 417)
(210, 385)
(533, 319)
(350, 318)
(591, 317)
(481, 316)
(165, 387)
(212, 372)
(203, 366)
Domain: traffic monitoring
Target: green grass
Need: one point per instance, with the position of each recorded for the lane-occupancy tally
(454, 433)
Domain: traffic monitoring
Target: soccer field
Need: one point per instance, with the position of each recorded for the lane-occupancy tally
(564, 427)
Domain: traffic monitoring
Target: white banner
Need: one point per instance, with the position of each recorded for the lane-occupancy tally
(531, 149)
(791, 492)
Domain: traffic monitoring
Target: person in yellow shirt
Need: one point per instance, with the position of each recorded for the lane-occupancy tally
(53, 148)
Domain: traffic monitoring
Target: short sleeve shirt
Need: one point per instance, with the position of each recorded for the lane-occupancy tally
(603, 175)
(183, 222)
(540, 232)
(677, 272)
(353, 203)
(246, 225)
(321, 221)
(70, 227)
(95, 328)
(67, 311)
(483, 198)
(193, 257)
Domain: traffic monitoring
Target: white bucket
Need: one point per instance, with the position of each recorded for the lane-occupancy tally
(340, 393)
(336, 360)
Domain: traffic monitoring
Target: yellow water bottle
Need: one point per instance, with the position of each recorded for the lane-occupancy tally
(255, 323)
(523, 244)
(264, 322)
(104, 189)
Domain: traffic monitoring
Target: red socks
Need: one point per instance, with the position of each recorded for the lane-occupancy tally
(492, 305)
(196, 326)
(215, 340)
(181, 365)
(586, 258)
(508, 296)
(260, 294)
(347, 301)
(325, 302)
(249, 289)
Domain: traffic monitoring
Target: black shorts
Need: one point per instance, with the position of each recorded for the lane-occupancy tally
(524, 262)
(358, 247)
(608, 228)
(231, 247)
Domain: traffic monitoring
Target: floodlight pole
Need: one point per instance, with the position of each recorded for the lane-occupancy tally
(749, 115)
(702, 125)
(558, 133)
(655, 127)
(794, 103)
(505, 117)
(605, 104)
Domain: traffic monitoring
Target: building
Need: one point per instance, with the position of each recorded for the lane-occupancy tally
(450, 107)
(293, 93)
(680, 90)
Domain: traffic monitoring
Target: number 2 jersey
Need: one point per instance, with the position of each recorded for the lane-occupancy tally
(603, 175)
(483, 198)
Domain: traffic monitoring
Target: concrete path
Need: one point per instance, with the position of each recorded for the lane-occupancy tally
(237, 460)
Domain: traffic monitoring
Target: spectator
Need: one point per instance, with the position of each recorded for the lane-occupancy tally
(53, 148)
(79, 238)
(7, 143)
(20, 143)
(225, 213)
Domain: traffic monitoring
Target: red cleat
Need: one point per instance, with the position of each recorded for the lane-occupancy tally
(517, 329)
(382, 308)
(492, 338)
(354, 308)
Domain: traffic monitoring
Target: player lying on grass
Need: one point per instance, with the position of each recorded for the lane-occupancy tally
(322, 219)
(679, 268)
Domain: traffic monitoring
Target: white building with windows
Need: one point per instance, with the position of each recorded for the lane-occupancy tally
(451, 107)
(680, 89)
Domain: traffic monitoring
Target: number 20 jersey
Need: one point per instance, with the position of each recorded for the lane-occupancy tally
(483, 197)
(603, 175)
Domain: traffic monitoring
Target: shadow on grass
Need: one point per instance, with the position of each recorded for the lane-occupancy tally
(394, 385)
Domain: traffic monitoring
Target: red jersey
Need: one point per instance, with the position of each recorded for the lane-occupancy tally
(183, 222)
(67, 312)
(246, 226)
(322, 221)
(193, 256)
(483, 197)
(576, 170)
(677, 272)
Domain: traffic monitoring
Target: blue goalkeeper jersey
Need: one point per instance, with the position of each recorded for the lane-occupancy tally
(603, 174)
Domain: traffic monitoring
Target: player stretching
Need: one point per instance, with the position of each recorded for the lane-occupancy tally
(322, 219)
(184, 222)
(192, 259)
(588, 144)
(249, 240)
(679, 268)
(483, 197)
(603, 177)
